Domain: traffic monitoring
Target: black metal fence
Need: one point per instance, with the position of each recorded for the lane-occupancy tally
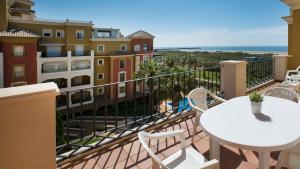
(259, 72)
(90, 117)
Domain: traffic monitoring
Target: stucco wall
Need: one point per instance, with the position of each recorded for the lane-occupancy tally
(3, 15)
(142, 42)
(106, 69)
(294, 41)
(109, 46)
(28, 60)
(69, 40)
(27, 126)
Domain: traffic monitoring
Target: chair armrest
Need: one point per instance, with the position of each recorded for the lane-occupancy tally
(287, 76)
(212, 164)
(179, 133)
(197, 108)
(217, 97)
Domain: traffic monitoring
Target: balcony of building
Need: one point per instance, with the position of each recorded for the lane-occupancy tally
(26, 2)
(81, 53)
(61, 83)
(80, 81)
(54, 54)
(54, 67)
(102, 134)
(81, 65)
(32, 19)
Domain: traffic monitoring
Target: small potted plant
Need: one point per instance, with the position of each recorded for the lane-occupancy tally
(256, 102)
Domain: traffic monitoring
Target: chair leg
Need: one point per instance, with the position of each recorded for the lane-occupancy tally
(197, 123)
(282, 160)
(279, 161)
(154, 164)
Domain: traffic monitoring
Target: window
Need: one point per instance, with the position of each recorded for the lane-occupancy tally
(100, 90)
(18, 51)
(100, 62)
(137, 48)
(53, 51)
(122, 64)
(80, 34)
(122, 76)
(47, 33)
(103, 34)
(100, 76)
(100, 48)
(145, 48)
(145, 59)
(123, 47)
(79, 50)
(19, 71)
(60, 33)
(122, 90)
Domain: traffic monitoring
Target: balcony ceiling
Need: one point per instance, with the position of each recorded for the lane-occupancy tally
(294, 4)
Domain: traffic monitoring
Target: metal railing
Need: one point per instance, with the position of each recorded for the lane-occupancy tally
(30, 18)
(259, 72)
(122, 108)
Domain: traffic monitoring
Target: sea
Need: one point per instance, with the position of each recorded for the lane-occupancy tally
(245, 49)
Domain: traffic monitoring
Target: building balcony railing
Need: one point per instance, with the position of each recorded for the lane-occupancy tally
(54, 54)
(24, 1)
(259, 72)
(146, 101)
(21, 10)
(54, 68)
(80, 67)
(82, 53)
(33, 19)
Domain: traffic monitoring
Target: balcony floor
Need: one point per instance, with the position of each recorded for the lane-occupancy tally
(132, 155)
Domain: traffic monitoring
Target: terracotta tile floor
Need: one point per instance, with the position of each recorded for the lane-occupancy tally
(132, 155)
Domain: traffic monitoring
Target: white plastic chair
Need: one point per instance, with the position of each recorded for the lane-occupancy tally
(292, 79)
(197, 99)
(186, 158)
(289, 158)
(284, 93)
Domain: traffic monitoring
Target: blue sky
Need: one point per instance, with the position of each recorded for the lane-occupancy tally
(181, 22)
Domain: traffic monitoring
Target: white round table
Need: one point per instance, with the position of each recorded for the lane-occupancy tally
(232, 123)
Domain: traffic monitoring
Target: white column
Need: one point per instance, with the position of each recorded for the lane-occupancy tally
(39, 67)
(233, 78)
(1, 71)
(69, 72)
(92, 73)
(280, 66)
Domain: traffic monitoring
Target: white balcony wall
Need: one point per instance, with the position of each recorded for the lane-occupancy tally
(83, 65)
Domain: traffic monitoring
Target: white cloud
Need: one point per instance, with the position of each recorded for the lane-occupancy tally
(275, 35)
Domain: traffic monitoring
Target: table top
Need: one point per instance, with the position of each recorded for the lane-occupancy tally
(232, 122)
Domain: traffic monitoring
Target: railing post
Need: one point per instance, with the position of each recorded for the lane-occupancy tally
(280, 66)
(27, 126)
(1, 71)
(233, 78)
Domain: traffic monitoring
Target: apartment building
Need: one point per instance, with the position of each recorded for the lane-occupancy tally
(63, 46)
(18, 58)
(293, 21)
(142, 46)
(114, 62)
(76, 55)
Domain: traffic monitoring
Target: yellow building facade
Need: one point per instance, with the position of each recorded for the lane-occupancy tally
(293, 33)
